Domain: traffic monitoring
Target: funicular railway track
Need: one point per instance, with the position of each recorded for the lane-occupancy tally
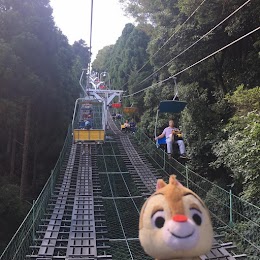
(73, 226)
(93, 212)
(144, 177)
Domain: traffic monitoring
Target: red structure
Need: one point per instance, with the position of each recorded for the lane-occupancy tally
(116, 105)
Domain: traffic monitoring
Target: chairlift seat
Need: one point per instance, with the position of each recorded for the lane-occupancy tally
(161, 141)
(171, 106)
(130, 110)
(116, 105)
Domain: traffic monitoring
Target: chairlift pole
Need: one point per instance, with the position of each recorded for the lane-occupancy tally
(175, 88)
(230, 208)
(156, 120)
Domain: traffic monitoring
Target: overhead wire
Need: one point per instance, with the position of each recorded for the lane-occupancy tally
(91, 27)
(196, 63)
(175, 32)
(193, 44)
(90, 45)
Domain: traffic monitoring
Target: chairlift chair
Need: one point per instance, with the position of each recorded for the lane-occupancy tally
(173, 106)
(130, 110)
(116, 105)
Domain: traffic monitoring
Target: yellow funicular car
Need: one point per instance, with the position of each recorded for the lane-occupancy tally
(88, 121)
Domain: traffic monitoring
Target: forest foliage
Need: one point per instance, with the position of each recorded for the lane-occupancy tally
(221, 121)
(39, 72)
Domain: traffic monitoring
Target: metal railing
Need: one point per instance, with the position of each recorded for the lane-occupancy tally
(24, 236)
(238, 219)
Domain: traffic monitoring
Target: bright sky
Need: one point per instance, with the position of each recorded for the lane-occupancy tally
(73, 18)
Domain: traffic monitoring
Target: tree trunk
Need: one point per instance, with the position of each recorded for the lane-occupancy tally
(25, 150)
(35, 156)
(9, 143)
(219, 73)
(13, 153)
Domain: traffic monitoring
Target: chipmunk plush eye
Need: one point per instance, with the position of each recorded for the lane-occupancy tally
(196, 216)
(158, 219)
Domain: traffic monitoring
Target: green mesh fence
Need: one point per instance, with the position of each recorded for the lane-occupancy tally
(236, 218)
(122, 203)
(24, 236)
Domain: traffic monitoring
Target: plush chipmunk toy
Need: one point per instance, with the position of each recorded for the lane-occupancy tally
(175, 223)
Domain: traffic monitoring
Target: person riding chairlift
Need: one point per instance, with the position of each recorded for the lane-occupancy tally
(113, 116)
(132, 126)
(126, 126)
(171, 133)
(118, 116)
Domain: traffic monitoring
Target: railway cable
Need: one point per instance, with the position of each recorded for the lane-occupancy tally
(196, 63)
(193, 44)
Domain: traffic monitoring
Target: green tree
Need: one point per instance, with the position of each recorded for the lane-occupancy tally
(239, 150)
(39, 74)
(100, 64)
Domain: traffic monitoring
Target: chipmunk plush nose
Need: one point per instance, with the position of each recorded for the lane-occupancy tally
(180, 218)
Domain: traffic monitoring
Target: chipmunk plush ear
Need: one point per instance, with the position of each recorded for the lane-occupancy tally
(175, 182)
(160, 184)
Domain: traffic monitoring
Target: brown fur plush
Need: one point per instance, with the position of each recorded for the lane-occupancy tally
(175, 223)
